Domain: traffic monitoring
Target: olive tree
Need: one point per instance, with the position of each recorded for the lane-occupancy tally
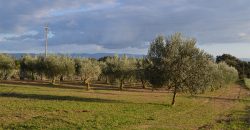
(121, 68)
(88, 70)
(53, 67)
(104, 72)
(7, 66)
(41, 67)
(67, 67)
(28, 66)
(229, 74)
(141, 72)
(177, 63)
(221, 74)
(58, 67)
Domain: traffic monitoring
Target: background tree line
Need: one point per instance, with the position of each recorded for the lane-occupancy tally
(243, 67)
(173, 62)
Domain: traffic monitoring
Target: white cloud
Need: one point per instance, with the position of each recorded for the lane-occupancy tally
(244, 36)
(121, 25)
(10, 36)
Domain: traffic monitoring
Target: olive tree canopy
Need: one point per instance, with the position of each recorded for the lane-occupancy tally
(88, 70)
(7, 66)
(121, 68)
(177, 63)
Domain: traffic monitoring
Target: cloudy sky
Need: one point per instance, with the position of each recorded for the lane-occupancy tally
(123, 26)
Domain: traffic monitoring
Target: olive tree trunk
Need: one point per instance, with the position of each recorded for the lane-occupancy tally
(88, 86)
(53, 80)
(121, 84)
(87, 82)
(143, 84)
(173, 100)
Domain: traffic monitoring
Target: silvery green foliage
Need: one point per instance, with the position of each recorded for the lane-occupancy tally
(230, 74)
(28, 67)
(88, 70)
(7, 66)
(121, 68)
(55, 66)
(242, 67)
(221, 75)
(175, 62)
(68, 66)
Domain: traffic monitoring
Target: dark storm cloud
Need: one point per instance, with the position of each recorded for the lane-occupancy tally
(117, 24)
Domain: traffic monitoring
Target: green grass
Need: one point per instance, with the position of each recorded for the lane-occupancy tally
(237, 120)
(44, 107)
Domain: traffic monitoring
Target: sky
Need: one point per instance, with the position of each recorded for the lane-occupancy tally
(123, 26)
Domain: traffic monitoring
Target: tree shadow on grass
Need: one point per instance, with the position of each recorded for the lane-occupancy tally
(42, 84)
(79, 86)
(160, 104)
(71, 98)
(61, 98)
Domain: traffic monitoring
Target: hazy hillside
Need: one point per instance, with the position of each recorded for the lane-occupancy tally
(245, 59)
(95, 55)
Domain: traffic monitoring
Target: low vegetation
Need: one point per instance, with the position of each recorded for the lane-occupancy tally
(40, 92)
(39, 106)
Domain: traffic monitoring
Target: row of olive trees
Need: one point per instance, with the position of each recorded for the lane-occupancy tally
(59, 67)
(175, 62)
(53, 67)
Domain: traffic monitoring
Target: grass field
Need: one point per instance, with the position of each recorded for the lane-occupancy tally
(27, 106)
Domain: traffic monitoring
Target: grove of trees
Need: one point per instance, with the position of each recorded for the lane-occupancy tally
(172, 62)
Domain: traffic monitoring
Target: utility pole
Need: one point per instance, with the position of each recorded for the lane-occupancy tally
(46, 30)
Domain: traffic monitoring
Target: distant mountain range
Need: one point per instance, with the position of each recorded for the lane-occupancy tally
(96, 55)
(245, 59)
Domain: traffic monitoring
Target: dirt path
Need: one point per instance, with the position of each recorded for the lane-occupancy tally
(227, 100)
(221, 101)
